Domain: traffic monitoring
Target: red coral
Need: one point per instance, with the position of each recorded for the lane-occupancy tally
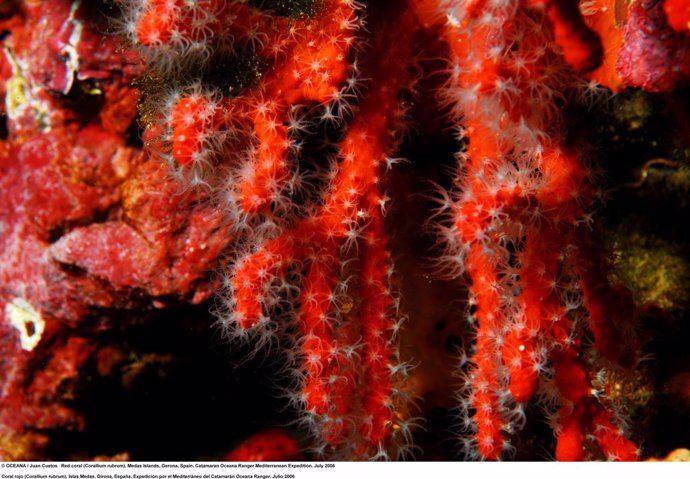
(202, 127)
(286, 126)
(242, 148)
(517, 227)
(581, 46)
(349, 225)
(678, 14)
(266, 446)
(524, 203)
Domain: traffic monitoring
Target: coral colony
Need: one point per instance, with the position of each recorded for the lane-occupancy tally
(271, 134)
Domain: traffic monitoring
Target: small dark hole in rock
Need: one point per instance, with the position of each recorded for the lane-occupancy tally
(30, 328)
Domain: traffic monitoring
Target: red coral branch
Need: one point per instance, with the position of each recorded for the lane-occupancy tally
(349, 379)
(519, 222)
(304, 260)
(306, 61)
(678, 14)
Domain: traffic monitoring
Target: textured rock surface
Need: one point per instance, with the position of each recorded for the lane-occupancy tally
(88, 223)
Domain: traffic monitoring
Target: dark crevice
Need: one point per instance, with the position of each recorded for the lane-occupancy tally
(288, 8)
(179, 397)
(4, 128)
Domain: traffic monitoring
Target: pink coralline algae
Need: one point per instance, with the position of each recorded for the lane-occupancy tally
(266, 184)
(645, 42)
(88, 222)
(653, 56)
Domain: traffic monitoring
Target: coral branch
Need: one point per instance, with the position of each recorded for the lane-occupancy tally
(678, 14)
(346, 230)
(201, 130)
(304, 262)
(519, 221)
